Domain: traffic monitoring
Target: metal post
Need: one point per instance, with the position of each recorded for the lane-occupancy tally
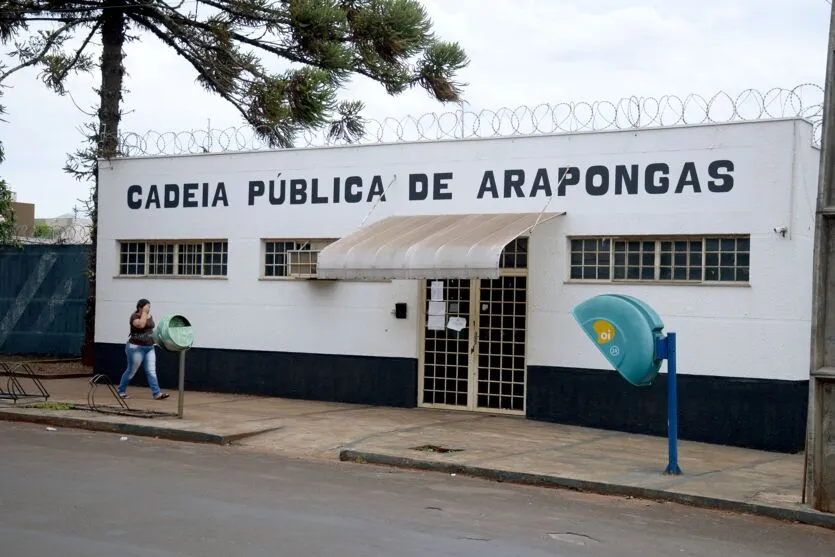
(820, 468)
(182, 386)
(672, 407)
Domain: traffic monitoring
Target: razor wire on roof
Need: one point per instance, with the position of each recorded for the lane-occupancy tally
(629, 113)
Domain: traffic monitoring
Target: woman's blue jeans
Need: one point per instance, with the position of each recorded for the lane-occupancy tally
(138, 355)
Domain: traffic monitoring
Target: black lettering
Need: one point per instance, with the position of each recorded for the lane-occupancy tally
(220, 195)
(727, 180)
(298, 191)
(418, 187)
(188, 194)
(205, 194)
(649, 178)
(440, 184)
(153, 197)
(314, 192)
(376, 189)
(568, 176)
(256, 189)
(171, 196)
(336, 190)
(592, 173)
(350, 195)
(513, 180)
(277, 200)
(623, 179)
(488, 183)
(133, 201)
(689, 177)
(541, 182)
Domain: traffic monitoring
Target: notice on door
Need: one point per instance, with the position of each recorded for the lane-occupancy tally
(436, 308)
(437, 291)
(435, 322)
(457, 324)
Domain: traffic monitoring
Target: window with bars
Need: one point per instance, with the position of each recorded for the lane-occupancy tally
(173, 258)
(687, 259)
(515, 254)
(292, 259)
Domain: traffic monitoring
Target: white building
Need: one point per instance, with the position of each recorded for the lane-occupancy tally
(711, 225)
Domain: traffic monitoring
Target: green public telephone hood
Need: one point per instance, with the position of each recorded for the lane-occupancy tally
(625, 330)
(173, 333)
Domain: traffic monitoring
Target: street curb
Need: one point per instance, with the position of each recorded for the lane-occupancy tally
(814, 518)
(171, 434)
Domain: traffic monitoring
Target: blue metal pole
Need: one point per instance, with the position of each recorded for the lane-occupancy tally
(672, 406)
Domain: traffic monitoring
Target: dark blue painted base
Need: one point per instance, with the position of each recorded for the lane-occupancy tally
(753, 413)
(332, 378)
(760, 414)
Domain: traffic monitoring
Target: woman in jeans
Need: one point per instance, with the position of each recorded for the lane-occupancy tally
(140, 350)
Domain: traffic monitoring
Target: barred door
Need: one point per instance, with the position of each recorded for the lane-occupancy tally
(482, 366)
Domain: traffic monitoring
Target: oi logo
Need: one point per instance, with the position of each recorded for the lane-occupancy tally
(605, 331)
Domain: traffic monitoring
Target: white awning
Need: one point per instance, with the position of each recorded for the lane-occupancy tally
(426, 247)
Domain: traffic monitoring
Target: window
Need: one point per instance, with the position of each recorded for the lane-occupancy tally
(173, 258)
(132, 258)
(292, 258)
(684, 259)
(515, 254)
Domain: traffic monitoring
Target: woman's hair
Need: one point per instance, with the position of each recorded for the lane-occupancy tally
(142, 303)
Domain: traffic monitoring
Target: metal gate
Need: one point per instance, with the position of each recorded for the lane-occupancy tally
(482, 366)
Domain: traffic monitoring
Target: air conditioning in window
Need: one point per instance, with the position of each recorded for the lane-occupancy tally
(301, 264)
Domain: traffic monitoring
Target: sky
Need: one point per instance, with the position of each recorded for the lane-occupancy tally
(523, 53)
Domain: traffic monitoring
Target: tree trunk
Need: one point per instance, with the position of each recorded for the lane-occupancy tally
(110, 96)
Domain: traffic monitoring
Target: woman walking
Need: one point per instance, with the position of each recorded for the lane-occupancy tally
(139, 350)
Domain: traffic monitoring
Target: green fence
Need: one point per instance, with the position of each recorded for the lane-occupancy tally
(43, 292)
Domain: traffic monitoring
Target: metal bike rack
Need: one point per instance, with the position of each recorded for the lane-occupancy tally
(13, 389)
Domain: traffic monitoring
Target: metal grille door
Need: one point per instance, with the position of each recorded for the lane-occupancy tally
(446, 360)
(482, 367)
(501, 343)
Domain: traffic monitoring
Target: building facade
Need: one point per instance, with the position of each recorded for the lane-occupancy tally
(442, 274)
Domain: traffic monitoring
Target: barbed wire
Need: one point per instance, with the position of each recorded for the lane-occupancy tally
(75, 232)
(802, 101)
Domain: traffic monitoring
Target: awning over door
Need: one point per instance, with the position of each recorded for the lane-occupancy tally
(426, 247)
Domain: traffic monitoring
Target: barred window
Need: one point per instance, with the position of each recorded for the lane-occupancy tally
(684, 259)
(215, 258)
(634, 260)
(515, 254)
(160, 259)
(132, 258)
(292, 259)
(190, 259)
(173, 258)
(591, 259)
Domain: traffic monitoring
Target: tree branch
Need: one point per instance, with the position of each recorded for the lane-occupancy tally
(50, 42)
(140, 19)
(260, 14)
(78, 53)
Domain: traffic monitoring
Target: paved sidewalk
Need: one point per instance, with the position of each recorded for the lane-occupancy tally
(497, 447)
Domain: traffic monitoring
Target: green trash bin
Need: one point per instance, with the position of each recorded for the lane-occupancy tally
(174, 333)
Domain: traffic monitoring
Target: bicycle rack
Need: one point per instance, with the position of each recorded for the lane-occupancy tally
(122, 409)
(14, 389)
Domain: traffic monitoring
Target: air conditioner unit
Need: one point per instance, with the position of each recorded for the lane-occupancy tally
(301, 263)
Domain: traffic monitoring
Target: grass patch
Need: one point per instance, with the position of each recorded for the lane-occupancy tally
(53, 406)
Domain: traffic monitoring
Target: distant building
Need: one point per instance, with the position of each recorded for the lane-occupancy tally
(24, 214)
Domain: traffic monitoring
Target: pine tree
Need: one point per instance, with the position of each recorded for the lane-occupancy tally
(325, 43)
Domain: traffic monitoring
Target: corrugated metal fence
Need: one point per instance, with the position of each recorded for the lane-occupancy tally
(43, 292)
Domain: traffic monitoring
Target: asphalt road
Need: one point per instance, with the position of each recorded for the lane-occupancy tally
(81, 494)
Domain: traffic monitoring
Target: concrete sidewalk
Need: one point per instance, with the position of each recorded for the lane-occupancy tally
(496, 447)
